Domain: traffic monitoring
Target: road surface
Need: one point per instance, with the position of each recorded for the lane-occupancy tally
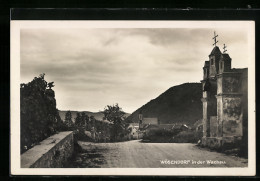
(135, 154)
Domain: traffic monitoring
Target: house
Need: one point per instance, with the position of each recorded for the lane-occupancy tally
(148, 121)
(134, 129)
(225, 101)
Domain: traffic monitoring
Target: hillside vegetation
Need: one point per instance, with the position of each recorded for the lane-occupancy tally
(96, 115)
(179, 104)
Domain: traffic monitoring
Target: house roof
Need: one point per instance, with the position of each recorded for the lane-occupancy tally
(160, 126)
(134, 124)
(166, 126)
(150, 120)
(105, 121)
(150, 126)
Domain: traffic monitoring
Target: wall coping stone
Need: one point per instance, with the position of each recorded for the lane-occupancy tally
(29, 157)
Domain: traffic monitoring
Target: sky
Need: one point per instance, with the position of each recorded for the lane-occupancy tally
(92, 68)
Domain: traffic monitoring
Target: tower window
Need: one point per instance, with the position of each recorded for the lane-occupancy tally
(212, 62)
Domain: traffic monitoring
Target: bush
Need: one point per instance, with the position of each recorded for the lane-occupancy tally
(39, 117)
(189, 136)
(159, 135)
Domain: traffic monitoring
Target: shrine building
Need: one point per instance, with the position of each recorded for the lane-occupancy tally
(225, 101)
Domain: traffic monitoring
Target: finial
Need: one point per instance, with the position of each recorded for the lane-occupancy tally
(224, 48)
(215, 39)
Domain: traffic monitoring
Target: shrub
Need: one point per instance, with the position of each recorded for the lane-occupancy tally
(159, 135)
(189, 136)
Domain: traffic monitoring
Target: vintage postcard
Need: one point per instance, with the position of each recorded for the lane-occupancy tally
(133, 98)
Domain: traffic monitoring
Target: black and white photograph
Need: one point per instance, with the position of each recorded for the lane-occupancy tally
(133, 97)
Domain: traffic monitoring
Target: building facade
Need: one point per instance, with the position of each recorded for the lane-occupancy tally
(144, 122)
(134, 131)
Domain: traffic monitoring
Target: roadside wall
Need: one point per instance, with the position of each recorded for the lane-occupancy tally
(52, 152)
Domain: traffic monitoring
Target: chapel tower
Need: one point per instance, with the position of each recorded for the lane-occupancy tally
(223, 93)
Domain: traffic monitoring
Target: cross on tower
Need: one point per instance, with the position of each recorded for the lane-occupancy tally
(224, 48)
(215, 39)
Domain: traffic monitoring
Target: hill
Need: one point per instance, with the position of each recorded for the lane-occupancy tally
(179, 104)
(97, 115)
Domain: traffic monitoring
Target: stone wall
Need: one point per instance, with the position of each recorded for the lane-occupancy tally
(221, 142)
(52, 152)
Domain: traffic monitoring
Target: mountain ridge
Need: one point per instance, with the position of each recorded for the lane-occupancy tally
(178, 104)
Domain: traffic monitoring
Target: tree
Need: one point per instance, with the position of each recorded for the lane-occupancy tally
(115, 115)
(68, 120)
(84, 120)
(80, 129)
(78, 119)
(38, 113)
(92, 121)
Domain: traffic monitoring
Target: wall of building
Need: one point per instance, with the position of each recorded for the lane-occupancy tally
(231, 83)
(244, 90)
(230, 106)
(211, 97)
(52, 152)
(219, 84)
(212, 66)
(134, 133)
(213, 126)
(220, 116)
(205, 120)
(232, 116)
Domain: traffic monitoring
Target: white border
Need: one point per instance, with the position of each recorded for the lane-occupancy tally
(15, 98)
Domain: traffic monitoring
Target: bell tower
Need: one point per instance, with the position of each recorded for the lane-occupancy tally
(209, 83)
(214, 58)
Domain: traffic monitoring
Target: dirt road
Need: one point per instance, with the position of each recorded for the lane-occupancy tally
(135, 154)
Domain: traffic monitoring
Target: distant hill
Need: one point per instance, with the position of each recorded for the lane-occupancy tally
(97, 115)
(179, 104)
